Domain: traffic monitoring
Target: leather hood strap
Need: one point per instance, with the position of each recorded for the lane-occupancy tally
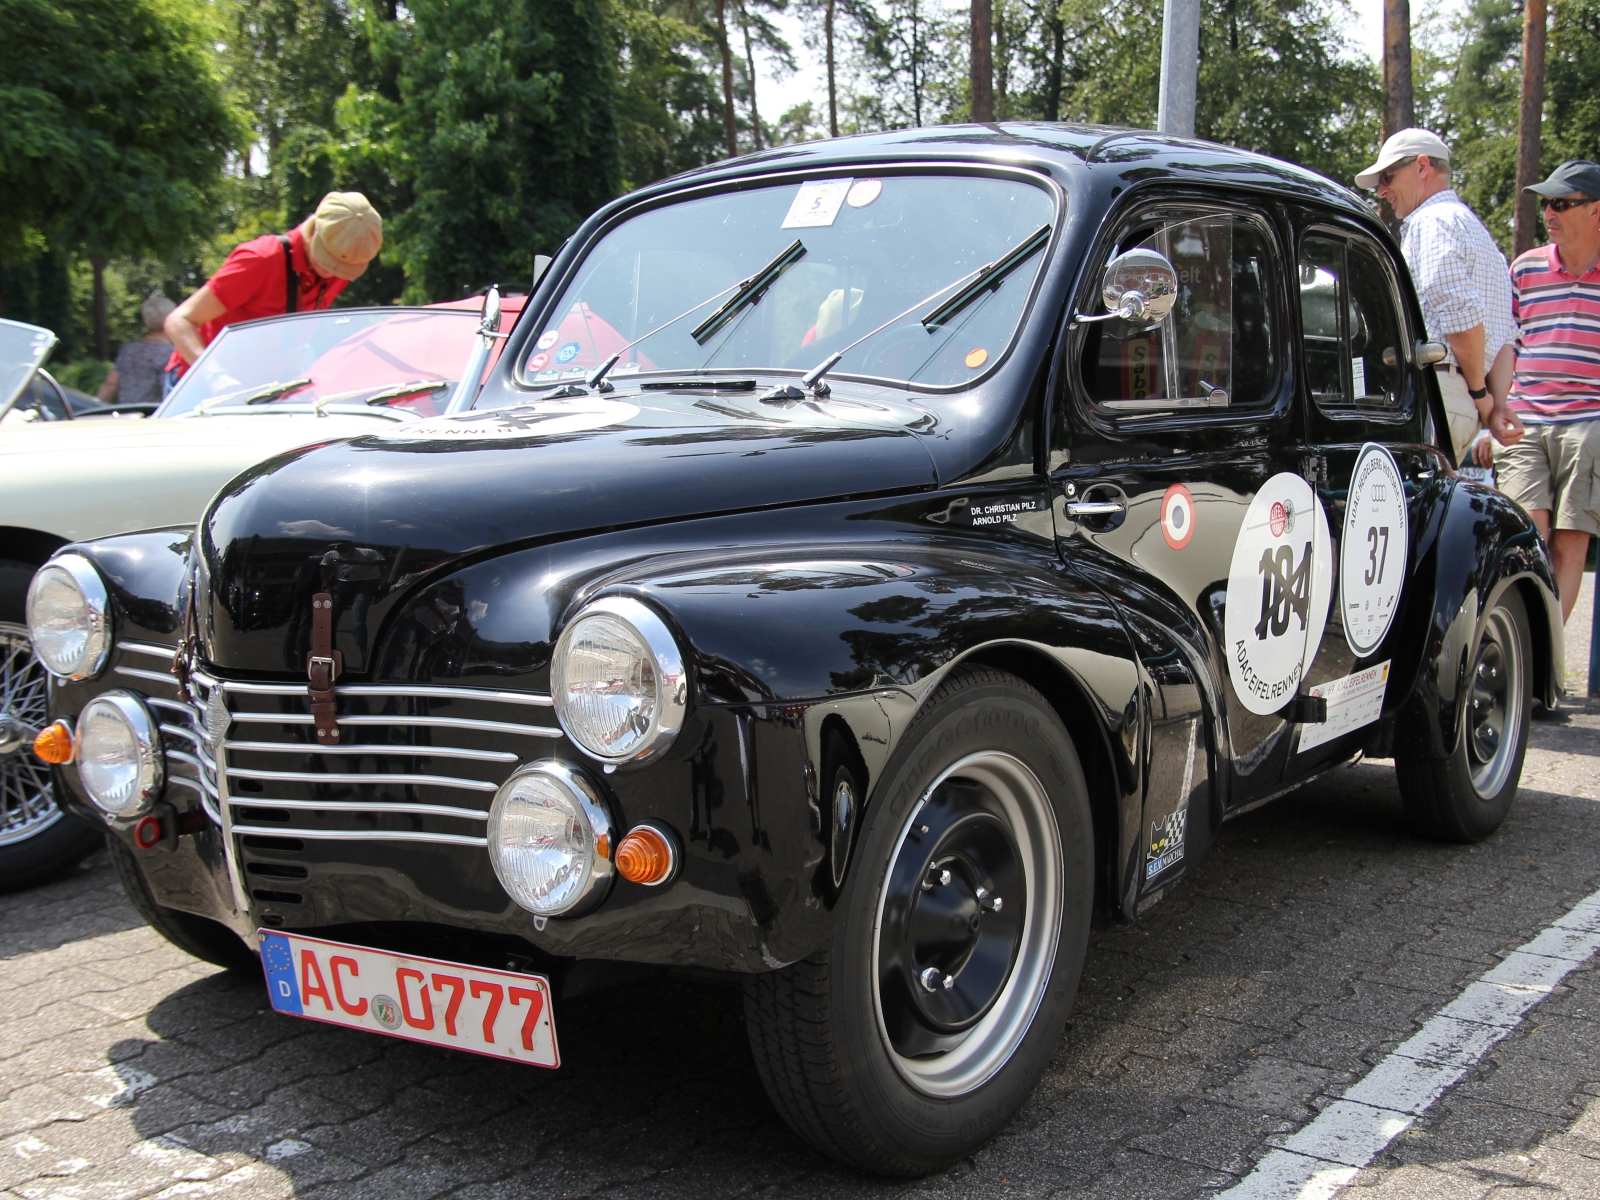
(323, 666)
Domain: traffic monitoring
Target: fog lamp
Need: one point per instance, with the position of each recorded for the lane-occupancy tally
(550, 840)
(69, 617)
(119, 754)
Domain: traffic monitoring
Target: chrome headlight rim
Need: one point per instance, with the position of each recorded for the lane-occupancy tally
(142, 723)
(672, 681)
(589, 801)
(92, 588)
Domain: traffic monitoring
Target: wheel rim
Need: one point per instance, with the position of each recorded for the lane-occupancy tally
(985, 825)
(1494, 708)
(27, 801)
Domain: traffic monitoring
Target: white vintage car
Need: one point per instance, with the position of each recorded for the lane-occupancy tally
(262, 388)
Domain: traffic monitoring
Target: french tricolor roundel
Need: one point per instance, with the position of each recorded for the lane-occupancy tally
(1177, 516)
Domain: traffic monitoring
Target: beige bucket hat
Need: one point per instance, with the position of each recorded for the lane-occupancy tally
(346, 234)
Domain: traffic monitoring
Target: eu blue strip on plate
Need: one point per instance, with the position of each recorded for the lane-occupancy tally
(277, 959)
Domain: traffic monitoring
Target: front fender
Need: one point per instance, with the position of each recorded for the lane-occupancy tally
(1482, 544)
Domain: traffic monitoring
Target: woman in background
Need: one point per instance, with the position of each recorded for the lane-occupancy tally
(136, 379)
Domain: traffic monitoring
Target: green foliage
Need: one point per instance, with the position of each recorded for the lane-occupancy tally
(114, 127)
(668, 99)
(85, 374)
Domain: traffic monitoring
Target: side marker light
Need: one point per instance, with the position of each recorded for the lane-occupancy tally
(647, 855)
(54, 744)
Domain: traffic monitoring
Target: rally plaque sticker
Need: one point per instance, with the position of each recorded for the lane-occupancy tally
(1372, 558)
(540, 418)
(1280, 584)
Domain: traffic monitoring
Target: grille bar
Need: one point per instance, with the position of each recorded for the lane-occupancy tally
(420, 691)
(404, 779)
(362, 835)
(426, 810)
(383, 749)
(513, 727)
(152, 676)
(150, 648)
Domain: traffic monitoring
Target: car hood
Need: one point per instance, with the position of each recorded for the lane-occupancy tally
(99, 476)
(374, 515)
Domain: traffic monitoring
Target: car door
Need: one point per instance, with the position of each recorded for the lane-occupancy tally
(1177, 490)
(1368, 429)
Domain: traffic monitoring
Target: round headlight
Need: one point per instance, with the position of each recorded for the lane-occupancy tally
(119, 754)
(618, 682)
(550, 840)
(69, 617)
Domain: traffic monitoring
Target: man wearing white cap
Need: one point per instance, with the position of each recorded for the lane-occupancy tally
(1461, 279)
(298, 271)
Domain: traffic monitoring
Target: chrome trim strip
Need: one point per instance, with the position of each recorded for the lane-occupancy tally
(420, 691)
(374, 779)
(427, 810)
(357, 835)
(187, 710)
(376, 749)
(205, 784)
(152, 648)
(154, 676)
(180, 731)
(380, 719)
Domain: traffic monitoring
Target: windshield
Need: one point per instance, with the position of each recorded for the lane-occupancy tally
(348, 355)
(872, 248)
(22, 349)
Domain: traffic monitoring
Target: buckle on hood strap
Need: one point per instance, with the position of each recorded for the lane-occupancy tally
(323, 665)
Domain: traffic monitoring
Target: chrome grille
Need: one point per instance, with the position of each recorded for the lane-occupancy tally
(185, 735)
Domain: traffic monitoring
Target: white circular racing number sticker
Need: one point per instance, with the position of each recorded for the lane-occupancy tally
(1372, 558)
(1279, 586)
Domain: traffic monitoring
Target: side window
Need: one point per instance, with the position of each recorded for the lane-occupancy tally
(1355, 353)
(1218, 349)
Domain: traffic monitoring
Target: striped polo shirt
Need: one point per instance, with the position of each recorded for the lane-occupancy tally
(1558, 346)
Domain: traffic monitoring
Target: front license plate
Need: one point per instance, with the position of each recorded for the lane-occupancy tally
(498, 1013)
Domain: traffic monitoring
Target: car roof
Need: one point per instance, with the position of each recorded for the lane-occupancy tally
(1119, 155)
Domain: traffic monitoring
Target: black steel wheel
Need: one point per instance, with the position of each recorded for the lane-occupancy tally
(37, 839)
(912, 1036)
(1465, 795)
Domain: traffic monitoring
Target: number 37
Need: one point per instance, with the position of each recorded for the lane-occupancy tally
(1377, 552)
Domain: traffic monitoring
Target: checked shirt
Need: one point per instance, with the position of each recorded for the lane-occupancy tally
(1459, 272)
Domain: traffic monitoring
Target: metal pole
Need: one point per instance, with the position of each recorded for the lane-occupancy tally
(1180, 67)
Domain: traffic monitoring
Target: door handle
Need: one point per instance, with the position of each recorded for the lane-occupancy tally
(1095, 508)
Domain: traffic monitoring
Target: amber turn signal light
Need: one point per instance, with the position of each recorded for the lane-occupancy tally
(647, 855)
(54, 744)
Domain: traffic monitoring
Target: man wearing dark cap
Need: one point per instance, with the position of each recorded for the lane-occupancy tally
(1555, 296)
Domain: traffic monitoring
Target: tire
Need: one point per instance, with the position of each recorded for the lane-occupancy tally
(866, 1055)
(200, 936)
(37, 839)
(1465, 796)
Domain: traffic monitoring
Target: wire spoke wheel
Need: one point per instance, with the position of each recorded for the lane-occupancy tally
(968, 919)
(27, 799)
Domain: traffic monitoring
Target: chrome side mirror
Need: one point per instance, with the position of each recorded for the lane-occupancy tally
(490, 325)
(1428, 353)
(541, 264)
(1139, 286)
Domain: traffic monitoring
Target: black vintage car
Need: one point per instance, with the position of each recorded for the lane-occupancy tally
(870, 563)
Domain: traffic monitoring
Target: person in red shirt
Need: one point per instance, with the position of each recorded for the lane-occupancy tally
(277, 273)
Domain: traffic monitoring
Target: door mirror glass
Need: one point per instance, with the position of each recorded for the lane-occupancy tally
(491, 311)
(1139, 287)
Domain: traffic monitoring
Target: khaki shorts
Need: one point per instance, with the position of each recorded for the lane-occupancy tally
(1555, 467)
(1462, 412)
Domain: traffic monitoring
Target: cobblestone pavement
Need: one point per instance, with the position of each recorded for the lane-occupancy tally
(1318, 935)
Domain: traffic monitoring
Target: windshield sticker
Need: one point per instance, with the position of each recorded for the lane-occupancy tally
(1177, 516)
(567, 353)
(548, 373)
(976, 358)
(546, 418)
(1353, 701)
(548, 338)
(1283, 555)
(1372, 558)
(864, 192)
(816, 203)
(537, 362)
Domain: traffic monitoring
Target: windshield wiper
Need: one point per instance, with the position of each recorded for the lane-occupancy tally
(745, 288)
(749, 293)
(990, 276)
(257, 395)
(416, 387)
(976, 282)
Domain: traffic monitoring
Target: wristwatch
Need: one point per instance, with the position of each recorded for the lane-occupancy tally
(1477, 393)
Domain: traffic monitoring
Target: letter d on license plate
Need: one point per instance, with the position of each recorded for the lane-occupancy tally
(499, 1013)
